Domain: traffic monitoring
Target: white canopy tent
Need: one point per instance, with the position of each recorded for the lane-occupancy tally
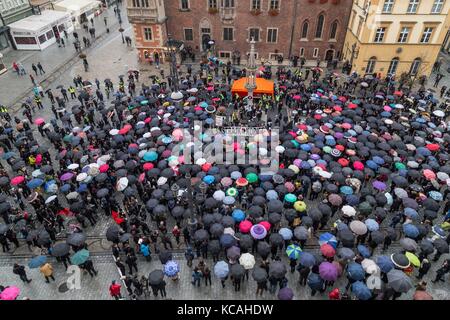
(37, 32)
(80, 10)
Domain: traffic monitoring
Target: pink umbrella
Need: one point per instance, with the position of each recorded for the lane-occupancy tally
(387, 108)
(66, 176)
(296, 97)
(177, 134)
(142, 177)
(297, 162)
(357, 165)
(429, 175)
(289, 186)
(17, 180)
(266, 225)
(10, 293)
(346, 125)
(245, 226)
(39, 121)
(104, 168)
(226, 181)
(210, 88)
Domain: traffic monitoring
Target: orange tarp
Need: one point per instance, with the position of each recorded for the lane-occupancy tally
(263, 86)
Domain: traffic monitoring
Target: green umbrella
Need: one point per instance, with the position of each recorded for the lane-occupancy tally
(399, 166)
(232, 192)
(80, 257)
(290, 197)
(67, 138)
(295, 143)
(252, 177)
(293, 251)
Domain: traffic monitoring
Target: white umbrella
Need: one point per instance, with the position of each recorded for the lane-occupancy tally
(94, 169)
(113, 132)
(81, 176)
(161, 181)
(50, 199)
(279, 149)
(358, 227)
(325, 174)
(369, 265)
(439, 113)
(73, 166)
(229, 231)
(122, 184)
(219, 195)
(247, 261)
(73, 195)
(37, 173)
(348, 211)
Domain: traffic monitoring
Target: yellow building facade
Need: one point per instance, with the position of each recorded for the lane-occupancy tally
(396, 36)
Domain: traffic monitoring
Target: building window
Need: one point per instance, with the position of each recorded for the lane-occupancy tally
(148, 35)
(412, 7)
(360, 24)
(253, 34)
(25, 40)
(275, 56)
(274, 5)
(247, 54)
(135, 3)
(319, 28)
(415, 66)
(379, 35)
(212, 4)
(184, 4)
(188, 34)
(50, 34)
(305, 30)
(224, 54)
(272, 34)
(302, 52)
(388, 5)
(42, 38)
(316, 52)
(437, 6)
(426, 36)
(228, 3)
(393, 66)
(371, 65)
(333, 31)
(403, 36)
(256, 4)
(144, 3)
(228, 34)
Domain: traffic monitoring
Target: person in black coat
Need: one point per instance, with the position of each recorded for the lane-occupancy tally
(304, 272)
(89, 266)
(131, 262)
(121, 266)
(20, 271)
(425, 266)
(162, 289)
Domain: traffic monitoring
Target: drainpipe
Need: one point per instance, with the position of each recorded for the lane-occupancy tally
(294, 18)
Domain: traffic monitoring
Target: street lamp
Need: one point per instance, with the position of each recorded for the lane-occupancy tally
(250, 83)
(121, 30)
(173, 46)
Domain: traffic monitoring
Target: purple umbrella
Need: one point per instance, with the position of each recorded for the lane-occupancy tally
(285, 294)
(258, 231)
(328, 271)
(379, 185)
(66, 176)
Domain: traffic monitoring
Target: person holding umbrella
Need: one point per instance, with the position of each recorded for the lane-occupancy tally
(442, 271)
(131, 262)
(425, 266)
(20, 271)
(47, 272)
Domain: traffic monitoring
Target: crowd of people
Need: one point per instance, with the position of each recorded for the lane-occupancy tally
(363, 168)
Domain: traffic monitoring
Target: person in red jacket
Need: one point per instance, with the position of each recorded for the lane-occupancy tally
(114, 290)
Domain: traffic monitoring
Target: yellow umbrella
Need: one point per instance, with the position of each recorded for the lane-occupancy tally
(166, 104)
(300, 206)
(294, 168)
(413, 259)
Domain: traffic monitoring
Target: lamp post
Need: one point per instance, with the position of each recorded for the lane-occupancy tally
(250, 83)
(192, 222)
(121, 30)
(173, 46)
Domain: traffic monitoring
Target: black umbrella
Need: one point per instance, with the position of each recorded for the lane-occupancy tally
(245, 241)
(112, 234)
(4, 228)
(216, 229)
(32, 235)
(276, 239)
(76, 239)
(441, 245)
(214, 246)
(228, 221)
(155, 277)
(237, 270)
(259, 274)
(263, 248)
(165, 256)
(426, 246)
(277, 269)
(43, 238)
(377, 236)
(60, 249)
(201, 235)
(102, 193)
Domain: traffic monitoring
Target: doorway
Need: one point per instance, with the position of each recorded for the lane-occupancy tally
(329, 55)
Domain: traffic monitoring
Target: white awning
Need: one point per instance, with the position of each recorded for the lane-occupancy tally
(36, 24)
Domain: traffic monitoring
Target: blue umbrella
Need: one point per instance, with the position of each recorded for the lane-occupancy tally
(371, 225)
(36, 262)
(436, 195)
(221, 269)
(423, 151)
(378, 160)
(385, 264)
(361, 291)
(355, 271)
(372, 165)
(171, 268)
(411, 213)
(286, 233)
(271, 195)
(314, 281)
(35, 183)
(328, 238)
(352, 200)
(364, 251)
(8, 155)
(346, 190)
(227, 240)
(150, 156)
(65, 188)
(209, 179)
(229, 200)
(307, 259)
(238, 215)
(83, 188)
(411, 230)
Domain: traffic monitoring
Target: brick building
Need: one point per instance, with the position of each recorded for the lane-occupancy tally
(313, 29)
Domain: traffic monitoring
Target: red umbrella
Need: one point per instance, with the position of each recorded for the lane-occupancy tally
(206, 167)
(327, 250)
(340, 147)
(432, 146)
(352, 106)
(39, 121)
(346, 125)
(245, 226)
(141, 177)
(430, 175)
(266, 225)
(296, 97)
(343, 162)
(104, 168)
(147, 120)
(148, 166)
(337, 108)
(17, 180)
(241, 182)
(398, 93)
